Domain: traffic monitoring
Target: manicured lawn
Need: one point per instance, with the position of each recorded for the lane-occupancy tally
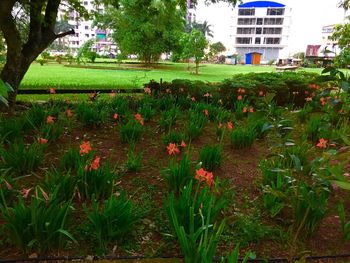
(60, 77)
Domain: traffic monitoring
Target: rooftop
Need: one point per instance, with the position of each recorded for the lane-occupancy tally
(261, 4)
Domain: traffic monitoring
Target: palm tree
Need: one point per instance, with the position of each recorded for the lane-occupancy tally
(204, 28)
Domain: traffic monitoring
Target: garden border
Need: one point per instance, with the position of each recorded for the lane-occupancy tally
(76, 91)
(216, 259)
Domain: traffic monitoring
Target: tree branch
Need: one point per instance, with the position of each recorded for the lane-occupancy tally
(70, 32)
(51, 13)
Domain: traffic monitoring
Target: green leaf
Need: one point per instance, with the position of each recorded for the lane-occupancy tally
(343, 185)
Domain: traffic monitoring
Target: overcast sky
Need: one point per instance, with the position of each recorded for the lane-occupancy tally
(308, 17)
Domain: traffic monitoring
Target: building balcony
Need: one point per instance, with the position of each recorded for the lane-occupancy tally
(280, 46)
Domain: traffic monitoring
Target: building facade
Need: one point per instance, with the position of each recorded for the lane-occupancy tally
(261, 27)
(84, 30)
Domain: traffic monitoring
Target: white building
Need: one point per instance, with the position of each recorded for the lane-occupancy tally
(262, 27)
(84, 29)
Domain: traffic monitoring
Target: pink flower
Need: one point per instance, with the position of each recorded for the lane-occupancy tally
(183, 144)
(244, 109)
(193, 99)
(25, 192)
(239, 97)
(139, 118)
(251, 109)
(322, 143)
(50, 119)
(115, 116)
(52, 91)
(147, 90)
(85, 148)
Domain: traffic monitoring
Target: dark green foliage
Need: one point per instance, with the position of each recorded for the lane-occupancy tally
(38, 226)
(21, 158)
(111, 221)
(177, 175)
(131, 132)
(211, 157)
(168, 118)
(243, 137)
(173, 137)
(92, 114)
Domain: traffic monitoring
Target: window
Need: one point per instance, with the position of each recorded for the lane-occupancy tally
(76, 27)
(76, 34)
(258, 31)
(275, 11)
(92, 35)
(272, 31)
(259, 21)
(243, 40)
(246, 12)
(85, 2)
(246, 21)
(86, 27)
(245, 31)
(257, 40)
(272, 41)
(273, 21)
(87, 35)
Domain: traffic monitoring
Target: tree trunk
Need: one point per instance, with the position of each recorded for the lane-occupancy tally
(197, 67)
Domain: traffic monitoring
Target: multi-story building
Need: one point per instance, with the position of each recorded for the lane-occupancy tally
(261, 27)
(191, 12)
(84, 29)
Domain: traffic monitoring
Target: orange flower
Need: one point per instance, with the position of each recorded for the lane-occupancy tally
(50, 119)
(112, 94)
(95, 163)
(239, 97)
(206, 112)
(52, 91)
(85, 148)
(172, 149)
(147, 90)
(69, 113)
(261, 93)
(183, 144)
(244, 109)
(251, 109)
(42, 140)
(193, 99)
(25, 192)
(323, 101)
(115, 116)
(322, 143)
(139, 118)
(202, 175)
(229, 125)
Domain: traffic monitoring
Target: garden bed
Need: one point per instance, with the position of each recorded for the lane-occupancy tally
(275, 185)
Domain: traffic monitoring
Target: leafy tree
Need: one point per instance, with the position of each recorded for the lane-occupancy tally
(144, 27)
(343, 59)
(85, 52)
(28, 27)
(217, 48)
(194, 44)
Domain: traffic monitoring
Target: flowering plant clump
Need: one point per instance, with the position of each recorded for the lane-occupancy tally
(85, 148)
(322, 143)
(50, 119)
(95, 164)
(173, 149)
(205, 176)
(139, 118)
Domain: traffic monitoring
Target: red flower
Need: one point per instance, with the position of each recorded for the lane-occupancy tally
(251, 109)
(206, 112)
(202, 175)
(139, 118)
(42, 140)
(85, 148)
(172, 149)
(95, 163)
(244, 109)
(239, 97)
(115, 116)
(183, 144)
(50, 119)
(323, 101)
(229, 125)
(322, 143)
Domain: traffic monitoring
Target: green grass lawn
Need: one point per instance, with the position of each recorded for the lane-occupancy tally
(59, 77)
